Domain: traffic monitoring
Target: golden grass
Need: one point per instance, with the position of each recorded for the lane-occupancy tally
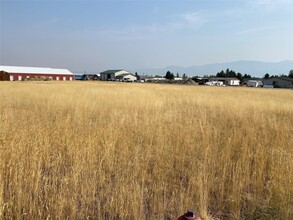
(77, 150)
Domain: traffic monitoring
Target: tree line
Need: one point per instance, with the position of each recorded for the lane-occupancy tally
(290, 74)
(171, 76)
(233, 74)
(227, 73)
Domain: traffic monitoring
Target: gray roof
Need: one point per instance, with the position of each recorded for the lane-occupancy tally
(111, 71)
(282, 78)
(224, 78)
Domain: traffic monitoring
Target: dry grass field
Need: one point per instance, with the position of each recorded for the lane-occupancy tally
(94, 150)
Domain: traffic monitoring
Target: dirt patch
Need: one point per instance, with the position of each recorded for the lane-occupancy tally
(189, 82)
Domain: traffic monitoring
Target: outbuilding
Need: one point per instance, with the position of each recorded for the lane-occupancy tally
(278, 82)
(126, 77)
(18, 73)
(254, 83)
(226, 81)
(112, 75)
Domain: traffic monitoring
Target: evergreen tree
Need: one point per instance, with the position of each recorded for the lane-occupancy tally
(221, 74)
(246, 76)
(169, 75)
(239, 76)
(267, 76)
(290, 73)
(137, 76)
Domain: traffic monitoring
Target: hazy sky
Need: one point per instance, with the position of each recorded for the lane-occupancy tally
(96, 35)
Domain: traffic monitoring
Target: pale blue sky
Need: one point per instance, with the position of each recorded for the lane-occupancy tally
(98, 35)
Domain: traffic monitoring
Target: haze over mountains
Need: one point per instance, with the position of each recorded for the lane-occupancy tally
(253, 68)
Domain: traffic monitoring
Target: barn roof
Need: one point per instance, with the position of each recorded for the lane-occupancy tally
(111, 71)
(34, 70)
(223, 78)
(280, 78)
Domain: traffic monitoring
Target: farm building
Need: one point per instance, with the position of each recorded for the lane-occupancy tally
(254, 83)
(17, 73)
(226, 81)
(126, 77)
(117, 75)
(278, 82)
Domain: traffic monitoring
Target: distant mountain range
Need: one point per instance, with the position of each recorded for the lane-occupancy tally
(253, 68)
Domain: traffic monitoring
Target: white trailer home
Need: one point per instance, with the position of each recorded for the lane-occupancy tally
(214, 83)
(226, 81)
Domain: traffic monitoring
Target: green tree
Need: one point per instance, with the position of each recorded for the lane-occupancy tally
(246, 76)
(267, 76)
(231, 73)
(169, 75)
(228, 73)
(239, 76)
(137, 76)
(221, 74)
(290, 73)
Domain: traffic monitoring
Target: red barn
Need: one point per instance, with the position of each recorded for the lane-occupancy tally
(17, 73)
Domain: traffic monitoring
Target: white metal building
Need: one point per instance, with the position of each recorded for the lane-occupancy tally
(126, 77)
(254, 83)
(114, 74)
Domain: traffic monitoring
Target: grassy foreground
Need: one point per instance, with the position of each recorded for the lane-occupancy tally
(80, 150)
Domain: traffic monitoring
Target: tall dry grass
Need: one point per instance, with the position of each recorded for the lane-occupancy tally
(80, 150)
